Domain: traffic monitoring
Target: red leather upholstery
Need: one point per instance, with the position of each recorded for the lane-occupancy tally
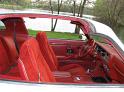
(8, 57)
(21, 38)
(46, 50)
(10, 48)
(4, 60)
(32, 65)
(51, 59)
(19, 29)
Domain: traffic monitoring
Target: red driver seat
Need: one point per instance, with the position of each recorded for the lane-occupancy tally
(51, 59)
(32, 65)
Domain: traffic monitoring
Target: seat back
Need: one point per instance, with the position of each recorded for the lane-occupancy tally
(32, 65)
(8, 53)
(15, 28)
(47, 50)
(4, 60)
(10, 48)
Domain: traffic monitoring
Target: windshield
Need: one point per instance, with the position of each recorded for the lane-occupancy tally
(100, 39)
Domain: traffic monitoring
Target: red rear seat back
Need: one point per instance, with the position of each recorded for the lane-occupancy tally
(4, 60)
(10, 48)
(31, 63)
(21, 38)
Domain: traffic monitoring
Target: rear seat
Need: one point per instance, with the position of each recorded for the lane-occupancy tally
(8, 62)
(8, 57)
(4, 60)
(10, 48)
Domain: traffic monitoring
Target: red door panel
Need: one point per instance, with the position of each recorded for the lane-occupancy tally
(65, 48)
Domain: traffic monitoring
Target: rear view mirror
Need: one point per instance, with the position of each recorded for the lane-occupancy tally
(2, 25)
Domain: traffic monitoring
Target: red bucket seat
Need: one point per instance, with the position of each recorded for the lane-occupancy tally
(51, 59)
(32, 64)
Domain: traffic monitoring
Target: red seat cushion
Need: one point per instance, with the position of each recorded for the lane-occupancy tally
(74, 69)
(32, 65)
(51, 59)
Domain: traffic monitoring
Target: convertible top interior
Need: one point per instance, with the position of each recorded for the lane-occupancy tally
(39, 59)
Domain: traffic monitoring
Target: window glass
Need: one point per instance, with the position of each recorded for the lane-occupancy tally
(2, 26)
(101, 39)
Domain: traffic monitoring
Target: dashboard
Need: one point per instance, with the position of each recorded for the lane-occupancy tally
(102, 53)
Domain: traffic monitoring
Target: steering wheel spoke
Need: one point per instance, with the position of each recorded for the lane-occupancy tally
(87, 49)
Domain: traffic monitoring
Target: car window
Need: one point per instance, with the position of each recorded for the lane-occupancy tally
(63, 30)
(100, 39)
(2, 25)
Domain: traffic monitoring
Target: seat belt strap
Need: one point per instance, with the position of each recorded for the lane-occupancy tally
(14, 37)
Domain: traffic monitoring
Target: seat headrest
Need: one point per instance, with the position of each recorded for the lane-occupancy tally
(43, 36)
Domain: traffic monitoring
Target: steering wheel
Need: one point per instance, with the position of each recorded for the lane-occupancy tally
(87, 49)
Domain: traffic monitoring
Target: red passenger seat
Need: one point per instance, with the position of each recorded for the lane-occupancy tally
(32, 65)
(51, 59)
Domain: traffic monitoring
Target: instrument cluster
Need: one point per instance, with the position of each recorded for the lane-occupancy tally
(102, 53)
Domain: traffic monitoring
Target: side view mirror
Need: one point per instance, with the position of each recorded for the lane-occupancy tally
(2, 25)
